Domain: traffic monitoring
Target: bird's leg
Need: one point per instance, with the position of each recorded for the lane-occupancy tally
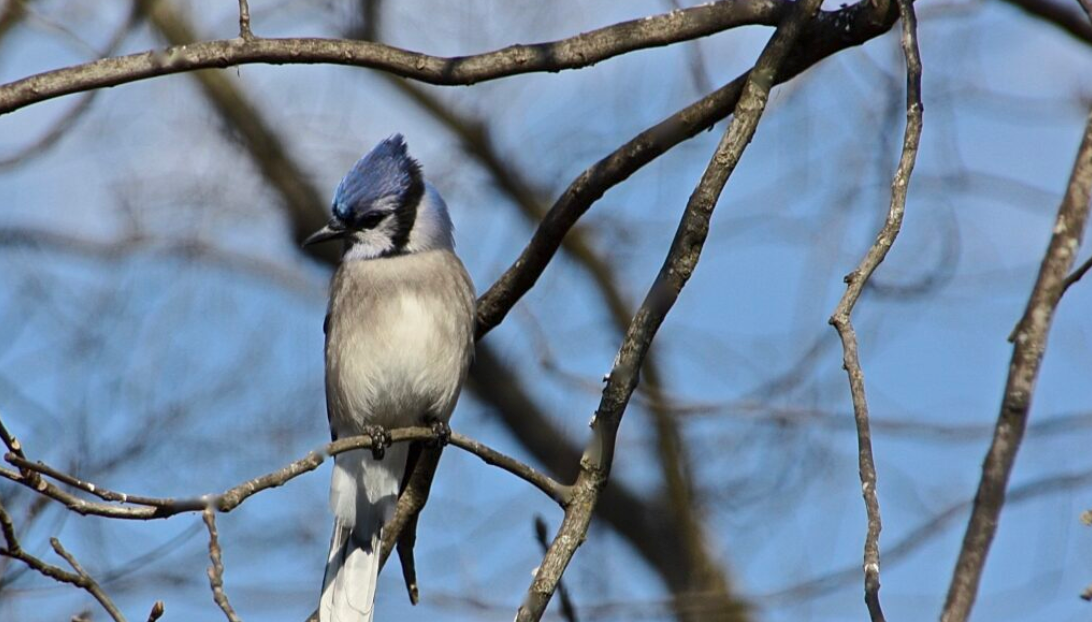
(442, 431)
(381, 440)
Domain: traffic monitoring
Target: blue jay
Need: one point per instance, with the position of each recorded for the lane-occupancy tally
(399, 339)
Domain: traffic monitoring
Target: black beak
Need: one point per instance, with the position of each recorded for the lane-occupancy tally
(332, 231)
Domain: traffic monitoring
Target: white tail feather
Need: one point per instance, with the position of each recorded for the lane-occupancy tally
(363, 495)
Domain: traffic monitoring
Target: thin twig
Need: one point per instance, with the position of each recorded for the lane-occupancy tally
(216, 570)
(1076, 275)
(1027, 357)
(558, 492)
(1086, 519)
(139, 507)
(157, 611)
(16, 449)
(79, 579)
(89, 583)
(244, 21)
(856, 281)
(678, 266)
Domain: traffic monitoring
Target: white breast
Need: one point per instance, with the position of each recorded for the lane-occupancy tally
(399, 341)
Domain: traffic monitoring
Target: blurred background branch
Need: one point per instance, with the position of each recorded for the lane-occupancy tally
(159, 327)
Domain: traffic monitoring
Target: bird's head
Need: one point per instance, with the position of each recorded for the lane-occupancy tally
(380, 203)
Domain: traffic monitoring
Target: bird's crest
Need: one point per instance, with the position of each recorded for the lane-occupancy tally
(386, 176)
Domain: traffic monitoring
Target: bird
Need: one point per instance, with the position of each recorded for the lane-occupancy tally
(399, 342)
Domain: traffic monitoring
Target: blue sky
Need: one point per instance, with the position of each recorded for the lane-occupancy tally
(214, 370)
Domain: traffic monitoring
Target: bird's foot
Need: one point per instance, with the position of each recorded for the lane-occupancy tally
(381, 440)
(442, 431)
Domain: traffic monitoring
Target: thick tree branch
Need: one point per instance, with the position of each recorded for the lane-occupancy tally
(856, 282)
(575, 52)
(1027, 356)
(679, 265)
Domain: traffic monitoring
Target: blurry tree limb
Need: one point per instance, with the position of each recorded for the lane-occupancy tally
(575, 52)
(79, 578)
(855, 284)
(304, 206)
(646, 524)
(136, 243)
(60, 128)
(1087, 6)
(928, 531)
(10, 15)
(216, 570)
(1027, 357)
(1061, 14)
(679, 265)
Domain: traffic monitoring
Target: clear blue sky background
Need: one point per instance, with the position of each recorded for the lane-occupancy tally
(205, 374)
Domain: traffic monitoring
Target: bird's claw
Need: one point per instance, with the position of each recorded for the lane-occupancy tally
(381, 440)
(442, 431)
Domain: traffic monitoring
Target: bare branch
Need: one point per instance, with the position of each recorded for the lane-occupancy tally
(87, 582)
(1027, 356)
(827, 34)
(679, 265)
(568, 610)
(929, 530)
(1076, 275)
(701, 572)
(216, 570)
(80, 578)
(244, 21)
(558, 492)
(147, 508)
(575, 52)
(856, 282)
(1086, 519)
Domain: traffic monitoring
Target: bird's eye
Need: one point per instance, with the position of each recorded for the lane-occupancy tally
(371, 220)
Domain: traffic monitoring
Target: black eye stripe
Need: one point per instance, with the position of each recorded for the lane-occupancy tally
(371, 220)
